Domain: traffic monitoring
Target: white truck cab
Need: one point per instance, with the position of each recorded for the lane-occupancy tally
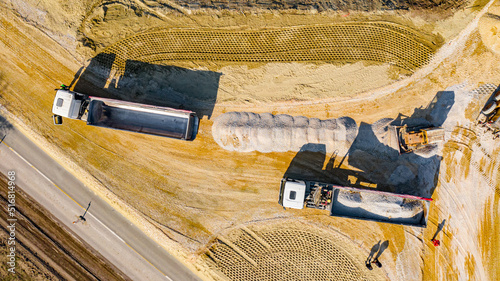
(292, 194)
(67, 104)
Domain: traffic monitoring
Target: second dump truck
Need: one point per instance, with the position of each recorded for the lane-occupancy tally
(355, 203)
(122, 115)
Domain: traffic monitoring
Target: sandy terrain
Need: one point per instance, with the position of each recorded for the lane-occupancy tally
(200, 200)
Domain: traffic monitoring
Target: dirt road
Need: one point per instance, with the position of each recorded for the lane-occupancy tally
(105, 231)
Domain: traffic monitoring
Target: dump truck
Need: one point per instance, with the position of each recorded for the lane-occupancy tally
(355, 203)
(411, 139)
(123, 115)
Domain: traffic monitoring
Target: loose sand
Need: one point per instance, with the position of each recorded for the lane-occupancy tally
(489, 28)
(185, 194)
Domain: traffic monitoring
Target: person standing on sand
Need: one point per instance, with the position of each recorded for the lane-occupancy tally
(368, 265)
(377, 262)
(374, 250)
(377, 249)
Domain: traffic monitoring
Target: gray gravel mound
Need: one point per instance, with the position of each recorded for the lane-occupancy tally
(246, 131)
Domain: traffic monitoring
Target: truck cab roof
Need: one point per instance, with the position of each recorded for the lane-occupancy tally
(66, 104)
(293, 194)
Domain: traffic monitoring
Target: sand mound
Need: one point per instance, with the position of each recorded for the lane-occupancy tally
(391, 207)
(246, 131)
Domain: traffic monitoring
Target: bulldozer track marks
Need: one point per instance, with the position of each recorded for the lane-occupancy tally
(347, 42)
(466, 141)
(282, 254)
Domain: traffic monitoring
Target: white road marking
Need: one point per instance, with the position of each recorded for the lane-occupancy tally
(114, 233)
(49, 180)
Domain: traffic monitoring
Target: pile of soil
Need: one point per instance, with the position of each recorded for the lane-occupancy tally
(245, 132)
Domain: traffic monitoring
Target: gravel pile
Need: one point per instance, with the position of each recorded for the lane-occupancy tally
(246, 131)
(381, 205)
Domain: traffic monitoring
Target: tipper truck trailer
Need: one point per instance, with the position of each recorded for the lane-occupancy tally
(355, 203)
(122, 115)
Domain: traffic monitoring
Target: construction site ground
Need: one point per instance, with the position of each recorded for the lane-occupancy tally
(217, 209)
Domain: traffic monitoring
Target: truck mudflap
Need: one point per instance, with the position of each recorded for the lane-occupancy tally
(379, 206)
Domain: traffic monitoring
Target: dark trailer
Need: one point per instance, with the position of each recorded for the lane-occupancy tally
(142, 118)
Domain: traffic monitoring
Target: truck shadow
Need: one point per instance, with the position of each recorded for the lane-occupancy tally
(160, 85)
(407, 173)
(5, 127)
(368, 169)
(433, 115)
(313, 164)
(373, 164)
(410, 173)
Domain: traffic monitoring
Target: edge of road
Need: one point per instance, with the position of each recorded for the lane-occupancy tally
(57, 181)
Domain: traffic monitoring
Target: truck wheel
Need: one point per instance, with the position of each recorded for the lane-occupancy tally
(489, 108)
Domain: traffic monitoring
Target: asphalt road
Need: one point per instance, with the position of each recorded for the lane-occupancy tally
(107, 231)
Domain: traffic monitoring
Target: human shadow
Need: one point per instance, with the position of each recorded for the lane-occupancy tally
(160, 85)
(382, 248)
(373, 251)
(439, 229)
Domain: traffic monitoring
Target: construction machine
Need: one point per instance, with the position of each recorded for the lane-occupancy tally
(411, 139)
